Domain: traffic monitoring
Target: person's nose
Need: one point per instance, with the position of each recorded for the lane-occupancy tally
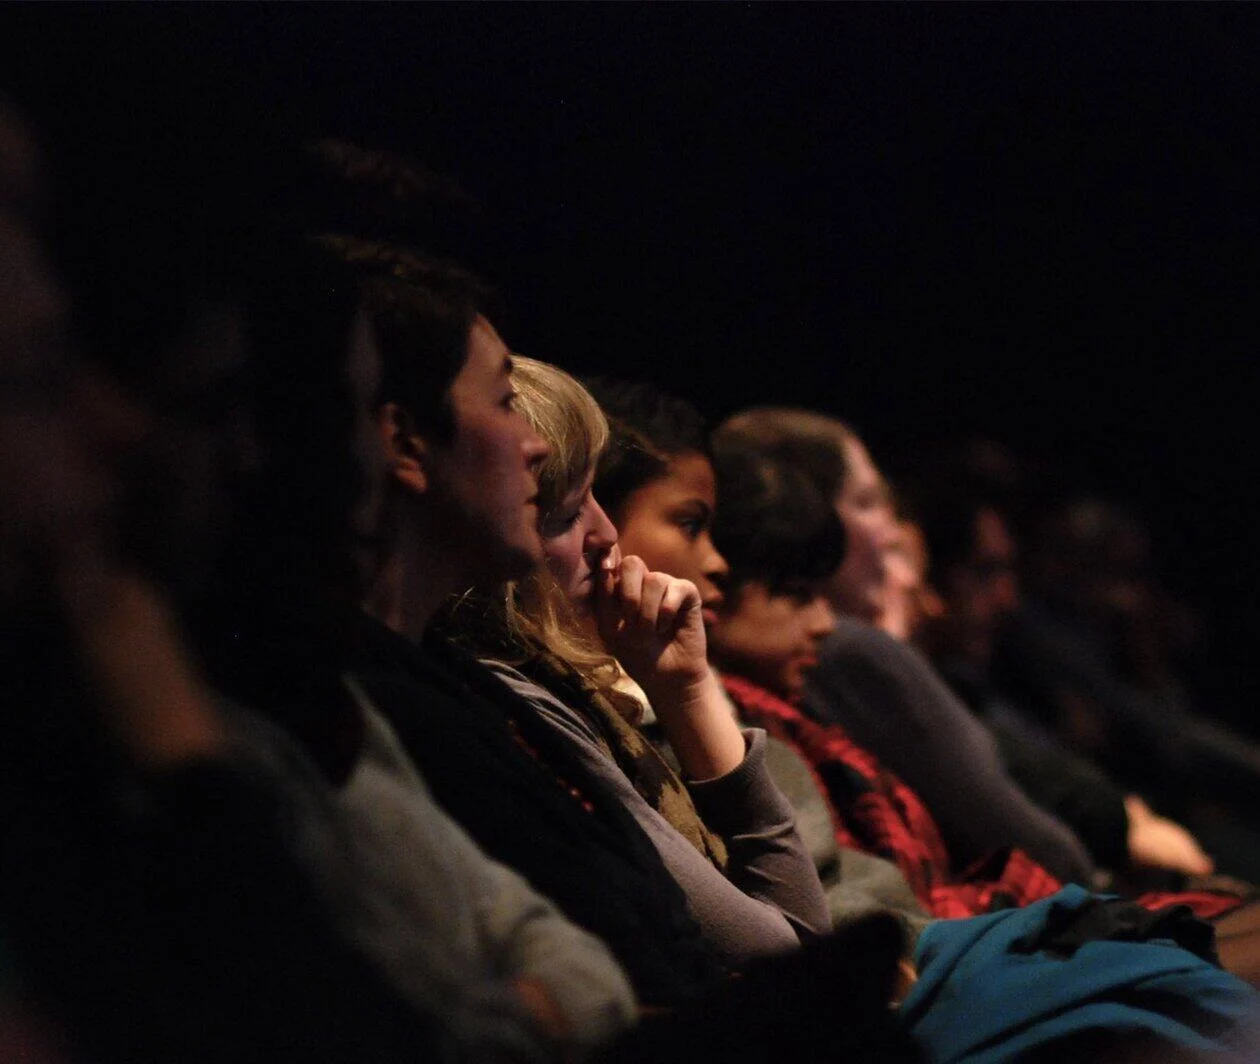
(713, 565)
(888, 533)
(820, 618)
(534, 448)
(1006, 592)
(601, 536)
(929, 602)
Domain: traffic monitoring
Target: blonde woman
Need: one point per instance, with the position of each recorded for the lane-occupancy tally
(592, 640)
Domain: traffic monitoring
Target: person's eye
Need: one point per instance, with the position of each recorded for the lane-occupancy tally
(509, 401)
(691, 527)
(558, 522)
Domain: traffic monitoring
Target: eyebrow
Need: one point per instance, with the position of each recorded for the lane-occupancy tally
(508, 365)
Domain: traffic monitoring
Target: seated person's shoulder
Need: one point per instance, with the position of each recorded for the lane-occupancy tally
(859, 649)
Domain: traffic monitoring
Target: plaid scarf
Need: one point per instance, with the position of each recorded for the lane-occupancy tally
(874, 811)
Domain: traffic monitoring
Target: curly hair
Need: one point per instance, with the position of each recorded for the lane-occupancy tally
(649, 429)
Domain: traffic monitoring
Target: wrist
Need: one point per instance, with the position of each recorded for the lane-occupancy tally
(702, 730)
(682, 693)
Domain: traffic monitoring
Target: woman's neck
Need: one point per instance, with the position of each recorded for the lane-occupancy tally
(407, 592)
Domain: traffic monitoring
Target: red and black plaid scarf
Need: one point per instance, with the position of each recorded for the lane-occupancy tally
(872, 810)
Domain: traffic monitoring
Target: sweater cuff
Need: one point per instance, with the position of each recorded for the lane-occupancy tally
(724, 803)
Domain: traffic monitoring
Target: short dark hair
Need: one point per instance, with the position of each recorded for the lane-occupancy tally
(375, 210)
(649, 429)
(773, 525)
(422, 310)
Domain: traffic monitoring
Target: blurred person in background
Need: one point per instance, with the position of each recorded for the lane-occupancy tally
(909, 602)
(1041, 684)
(883, 691)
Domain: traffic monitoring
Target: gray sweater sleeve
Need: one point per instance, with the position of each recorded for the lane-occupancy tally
(449, 923)
(770, 898)
(889, 699)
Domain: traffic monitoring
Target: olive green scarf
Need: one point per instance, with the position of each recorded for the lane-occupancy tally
(643, 765)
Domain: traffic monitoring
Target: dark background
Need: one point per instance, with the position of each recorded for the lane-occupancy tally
(1032, 222)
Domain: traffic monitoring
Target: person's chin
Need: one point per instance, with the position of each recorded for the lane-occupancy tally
(791, 684)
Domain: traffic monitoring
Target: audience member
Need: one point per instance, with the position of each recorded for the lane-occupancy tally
(667, 529)
(156, 906)
(1045, 667)
(726, 835)
(657, 480)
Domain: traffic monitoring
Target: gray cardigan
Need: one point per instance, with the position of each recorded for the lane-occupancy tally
(770, 899)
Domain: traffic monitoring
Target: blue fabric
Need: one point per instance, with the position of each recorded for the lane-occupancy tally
(980, 1001)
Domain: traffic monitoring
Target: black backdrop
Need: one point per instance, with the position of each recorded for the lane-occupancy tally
(1035, 222)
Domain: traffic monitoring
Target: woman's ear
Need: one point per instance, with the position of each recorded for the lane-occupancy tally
(406, 453)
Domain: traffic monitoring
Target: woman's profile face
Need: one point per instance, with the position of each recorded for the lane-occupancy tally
(484, 481)
(666, 523)
(870, 524)
(577, 536)
(909, 600)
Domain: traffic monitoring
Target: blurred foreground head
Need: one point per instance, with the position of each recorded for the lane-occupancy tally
(57, 422)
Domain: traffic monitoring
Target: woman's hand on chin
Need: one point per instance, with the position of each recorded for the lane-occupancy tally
(651, 623)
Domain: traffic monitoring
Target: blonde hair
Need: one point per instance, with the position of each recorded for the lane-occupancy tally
(537, 610)
(564, 414)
